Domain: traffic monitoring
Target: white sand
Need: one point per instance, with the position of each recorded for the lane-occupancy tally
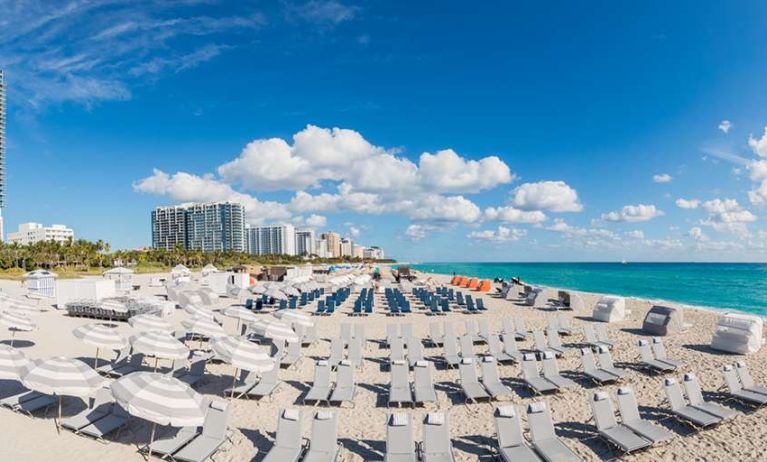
(362, 429)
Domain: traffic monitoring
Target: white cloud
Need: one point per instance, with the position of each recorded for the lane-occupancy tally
(326, 13)
(513, 215)
(556, 196)
(316, 221)
(354, 232)
(416, 232)
(725, 126)
(757, 170)
(446, 171)
(662, 178)
(726, 215)
(687, 203)
(663, 244)
(635, 234)
(759, 145)
(633, 213)
(502, 234)
(560, 226)
(442, 208)
(697, 234)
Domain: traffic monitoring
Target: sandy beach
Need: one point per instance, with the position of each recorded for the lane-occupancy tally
(362, 429)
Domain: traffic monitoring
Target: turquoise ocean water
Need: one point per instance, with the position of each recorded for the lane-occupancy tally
(732, 286)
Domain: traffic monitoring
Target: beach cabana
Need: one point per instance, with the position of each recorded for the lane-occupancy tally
(663, 320)
(41, 283)
(484, 286)
(180, 274)
(123, 277)
(610, 309)
(472, 284)
(738, 333)
(463, 281)
(455, 280)
(209, 269)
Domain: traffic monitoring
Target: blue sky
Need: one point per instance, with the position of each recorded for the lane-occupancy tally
(437, 130)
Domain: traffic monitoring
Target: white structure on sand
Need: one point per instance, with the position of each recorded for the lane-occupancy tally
(29, 233)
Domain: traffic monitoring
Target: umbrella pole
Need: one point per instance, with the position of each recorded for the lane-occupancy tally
(58, 422)
(151, 440)
(156, 359)
(234, 381)
(13, 336)
(96, 363)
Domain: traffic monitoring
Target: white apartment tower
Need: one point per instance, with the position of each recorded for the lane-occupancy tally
(271, 240)
(305, 242)
(2, 152)
(29, 233)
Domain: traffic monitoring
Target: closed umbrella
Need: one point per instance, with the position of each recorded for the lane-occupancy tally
(12, 362)
(16, 322)
(204, 327)
(242, 354)
(160, 399)
(195, 310)
(62, 377)
(100, 336)
(161, 345)
(150, 322)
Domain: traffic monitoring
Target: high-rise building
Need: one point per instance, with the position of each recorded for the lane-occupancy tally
(321, 248)
(271, 240)
(2, 152)
(334, 244)
(346, 247)
(374, 253)
(358, 251)
(305, 242)
(29, 233)
(211, 227)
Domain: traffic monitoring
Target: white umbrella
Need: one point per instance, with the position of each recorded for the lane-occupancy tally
(195, 310)
(19, 307)
(291, 291)
(203, 327)
(242, 354)
(150, 322)
(259, 288)
(276, 330)
(16, 322)
(276, 293)
(62, 377)
(241, 313)
(100, 336)
(296, 317)
(159, 344)
(12, 362)
(160, 399)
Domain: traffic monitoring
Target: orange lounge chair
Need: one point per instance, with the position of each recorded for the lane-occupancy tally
(463, 281)
(473, 283)
(484, 286)
(455, 280)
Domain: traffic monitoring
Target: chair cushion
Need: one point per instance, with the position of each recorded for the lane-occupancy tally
(536, 407)
(399, 420)
(324, 415)
(291, 414)
(435, 418)
(507, 411)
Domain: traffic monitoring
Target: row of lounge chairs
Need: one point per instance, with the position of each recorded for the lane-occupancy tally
(290, 447)
(344, 390)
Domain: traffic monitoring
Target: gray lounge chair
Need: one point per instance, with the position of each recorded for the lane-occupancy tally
(745, 378)
(99, 407)
(452, 358)
(521, 329)
(116, 420)
(423, 386)
(359, 331)
(214, 434)
(336, 352)
(470, 385)
(269, 382)
(551, 372)
(507, 326)
(287, 444)
(648, 361)
(471, 330)
(736, 390)
(392, 332)
(28, 401)
(610, 430)
(555, 344)
(544, 439)
(132, 363)
(169, 444)
(606, 363)
(436, 334)
(406, 331)
(629, 411)
(484, 330)
(436, 446)
(320, 389)
(539, 341)
(345, 389)
(400, 445)
(346, 332)
(695, 396)
(467, 347)
(414, 351)
(682, 410)
(399, 385)
(397, 349)
(510, 346)
(355, 352)
(310, 336)
(603, 336)
(660, 353)
(532, 378)
(593, 372)
(561, 324)
(590, 338)
(491, 380)
(323, 444)
(246, 382)
(495, 348)
(195, 372)
(512, 446)
(292, 354)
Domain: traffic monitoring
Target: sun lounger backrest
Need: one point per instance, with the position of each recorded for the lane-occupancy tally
(271, 376)
(659, 348)
(564, 322)
(674, 394)
(435, 332)
(324, 432)
(692, 387)
(731, 378)
(392, 331)
(508, 426)
(288, 429)
(539, 419)
(468, 371)
(552, 336)
(407, 331)
(508, 325)
(605, 358)
(627, 405)
(359, 332)
(216, 419)
(399, 371)
(520, 323)
(345, 377)
(604, 414)
(422, 373)
(550, 366)
(436, 433)
(489, 369)
(346, 332)
(449, 329)
(588, 334)
(602, 334)
(645, 351)
(470, 327)
(321, 373)
(744, 374)
(589, 363)
(540, 341)
(510, 343)
(529, 367)
(484, 327)
(450, 346)
(399, 435)
(494, 345)
(336, 349)
(467, 346)
(415, 349)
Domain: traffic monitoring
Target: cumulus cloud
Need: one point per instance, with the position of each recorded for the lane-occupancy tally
(416, 232)
(555, 196)
(502, 234)
(560, 226)
(662, 178)
(446, 171)
(354, 232)
(633, 213)
(316, 221)
(514, 215)
(726, 215)
(697, 234)
(725, 126)
(635, 234)
(687, 203)
(759, 145)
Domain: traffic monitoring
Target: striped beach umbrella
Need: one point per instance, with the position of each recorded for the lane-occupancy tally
(242, 354)
(150, 322)
(199, 312)
(16, 322)
(276, 294)
(295, 317)
(62, 377)
(19, 307)
(203, 326)
(161, 345)
(160, 399)
(12, 362)
(275, 329)
(100, 336)
(242, 314)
